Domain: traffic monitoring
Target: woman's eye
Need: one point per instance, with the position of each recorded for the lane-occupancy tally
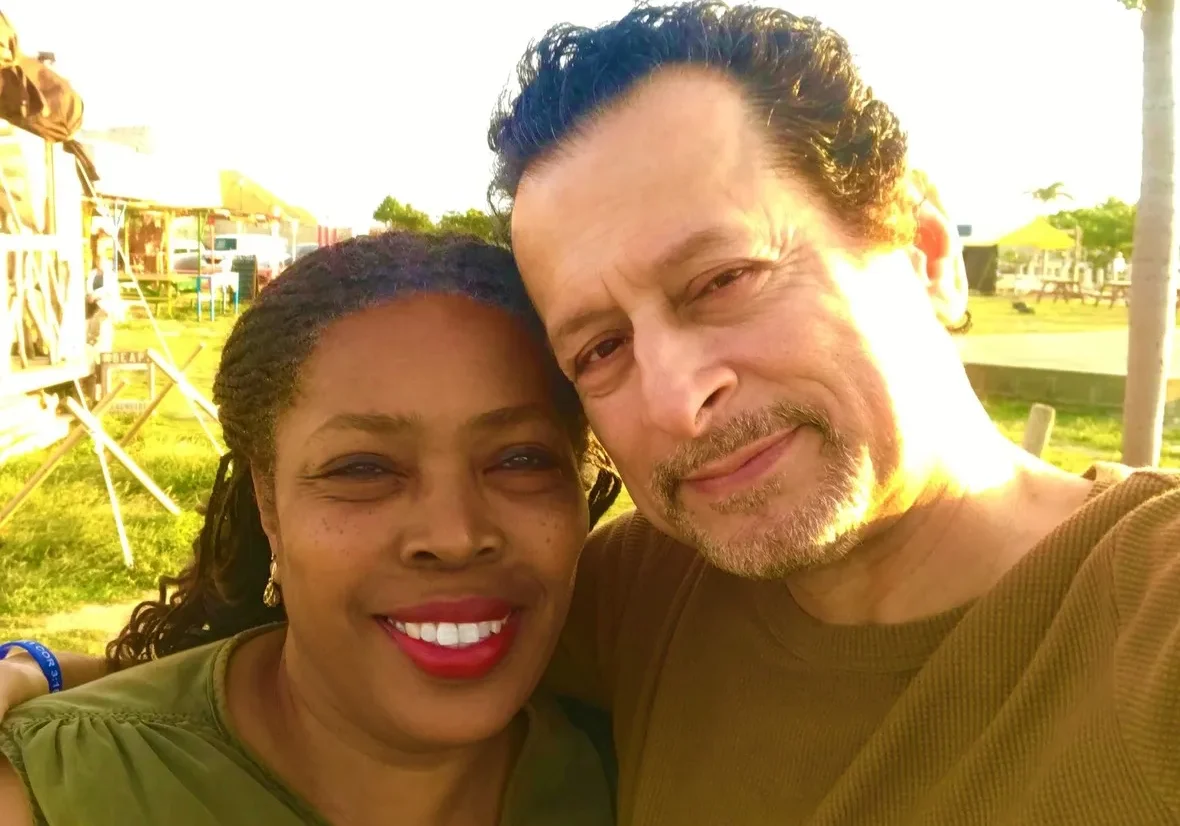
(359, 471)
(527, 460)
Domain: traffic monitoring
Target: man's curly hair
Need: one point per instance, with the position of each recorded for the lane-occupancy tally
(798, 77)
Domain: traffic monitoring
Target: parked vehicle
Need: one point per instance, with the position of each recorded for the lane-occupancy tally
(270, 252)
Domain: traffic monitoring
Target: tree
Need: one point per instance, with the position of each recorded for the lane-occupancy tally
(472, 222)
(1107, 229)
(1153, 264)
(1048, 194)
(396, 215)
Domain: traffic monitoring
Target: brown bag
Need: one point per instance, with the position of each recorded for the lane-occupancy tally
(32, 95)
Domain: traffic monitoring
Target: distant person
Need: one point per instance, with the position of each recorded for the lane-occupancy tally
(104, 302)
(1119, 267)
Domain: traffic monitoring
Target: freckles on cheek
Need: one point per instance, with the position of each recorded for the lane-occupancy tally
(557, 542)
(317, 542)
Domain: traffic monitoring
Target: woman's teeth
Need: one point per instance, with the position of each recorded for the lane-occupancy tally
(451, 634)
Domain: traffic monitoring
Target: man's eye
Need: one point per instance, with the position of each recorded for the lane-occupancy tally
(601, 350)
(720, 282)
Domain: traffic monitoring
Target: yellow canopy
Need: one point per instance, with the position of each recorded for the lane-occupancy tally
(177, 182)
(1037, 234)
(245, 196)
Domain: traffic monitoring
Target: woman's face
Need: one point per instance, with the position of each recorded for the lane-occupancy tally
(427, 514)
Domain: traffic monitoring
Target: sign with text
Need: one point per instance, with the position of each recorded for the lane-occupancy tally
(126, 357)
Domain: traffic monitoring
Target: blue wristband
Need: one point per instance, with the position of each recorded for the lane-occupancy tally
(44, 658)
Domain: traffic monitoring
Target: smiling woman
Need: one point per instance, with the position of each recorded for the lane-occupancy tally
(383, 574)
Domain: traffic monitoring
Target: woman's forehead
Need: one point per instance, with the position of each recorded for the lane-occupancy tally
(435, 357)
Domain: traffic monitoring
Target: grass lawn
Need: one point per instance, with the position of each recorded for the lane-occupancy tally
(993, 315)
(60, 551)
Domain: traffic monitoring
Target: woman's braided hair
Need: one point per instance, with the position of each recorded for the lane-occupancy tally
(220, 593)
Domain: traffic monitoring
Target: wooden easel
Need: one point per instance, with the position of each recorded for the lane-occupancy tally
(90, 424)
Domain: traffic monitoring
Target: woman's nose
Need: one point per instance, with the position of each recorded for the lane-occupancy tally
(452, 525)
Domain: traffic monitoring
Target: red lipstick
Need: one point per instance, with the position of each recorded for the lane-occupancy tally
(462, 639)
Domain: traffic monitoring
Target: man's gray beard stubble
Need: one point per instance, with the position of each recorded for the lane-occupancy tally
(819, 531)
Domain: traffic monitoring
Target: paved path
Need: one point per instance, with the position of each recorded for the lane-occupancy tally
(106, 618)
(1097, 351)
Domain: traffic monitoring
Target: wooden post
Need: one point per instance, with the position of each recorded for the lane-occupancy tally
(169, 229)
(1038, 428)
(100, 436)
(126, 242)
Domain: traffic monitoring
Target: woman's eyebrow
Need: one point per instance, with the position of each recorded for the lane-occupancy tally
(504, 417)
(377, 423)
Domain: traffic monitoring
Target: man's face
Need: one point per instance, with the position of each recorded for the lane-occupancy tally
(747, 365)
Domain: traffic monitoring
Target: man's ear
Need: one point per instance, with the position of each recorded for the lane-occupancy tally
(265, 497)
(938, 260)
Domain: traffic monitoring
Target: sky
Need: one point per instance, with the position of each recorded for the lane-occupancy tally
(336, 108)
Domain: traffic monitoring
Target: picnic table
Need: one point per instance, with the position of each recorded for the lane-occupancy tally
(1117, 290)
(162, 287)
(1065, 288)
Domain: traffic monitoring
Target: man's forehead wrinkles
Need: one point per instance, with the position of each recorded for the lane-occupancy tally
(603, 298)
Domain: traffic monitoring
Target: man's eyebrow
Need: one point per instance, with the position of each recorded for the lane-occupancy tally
(376, 423)
(690, 247)
(681, 253)
(574, 325)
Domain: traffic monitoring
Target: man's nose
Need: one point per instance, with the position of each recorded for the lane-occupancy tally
(451, 525)
(683, 382)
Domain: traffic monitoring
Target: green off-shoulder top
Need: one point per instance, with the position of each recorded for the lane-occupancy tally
(151, 745)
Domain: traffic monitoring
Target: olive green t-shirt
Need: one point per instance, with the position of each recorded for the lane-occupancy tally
(1052, 700)
(152, 745)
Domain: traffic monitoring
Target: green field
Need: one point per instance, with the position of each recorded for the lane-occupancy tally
(61, 552)
(995, 316)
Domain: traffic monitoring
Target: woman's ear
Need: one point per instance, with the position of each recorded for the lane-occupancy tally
(265, 497)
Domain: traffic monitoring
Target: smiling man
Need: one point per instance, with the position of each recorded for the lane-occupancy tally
(846, 597)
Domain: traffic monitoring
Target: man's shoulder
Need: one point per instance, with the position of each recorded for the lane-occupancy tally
(1133, 522)
(1138, 511)
(1142, 546)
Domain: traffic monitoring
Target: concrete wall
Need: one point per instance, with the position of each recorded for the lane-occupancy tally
(1058, 387)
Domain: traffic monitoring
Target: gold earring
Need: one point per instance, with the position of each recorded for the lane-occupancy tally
(271, 597)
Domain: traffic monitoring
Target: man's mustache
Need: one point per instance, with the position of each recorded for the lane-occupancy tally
(741, 430)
